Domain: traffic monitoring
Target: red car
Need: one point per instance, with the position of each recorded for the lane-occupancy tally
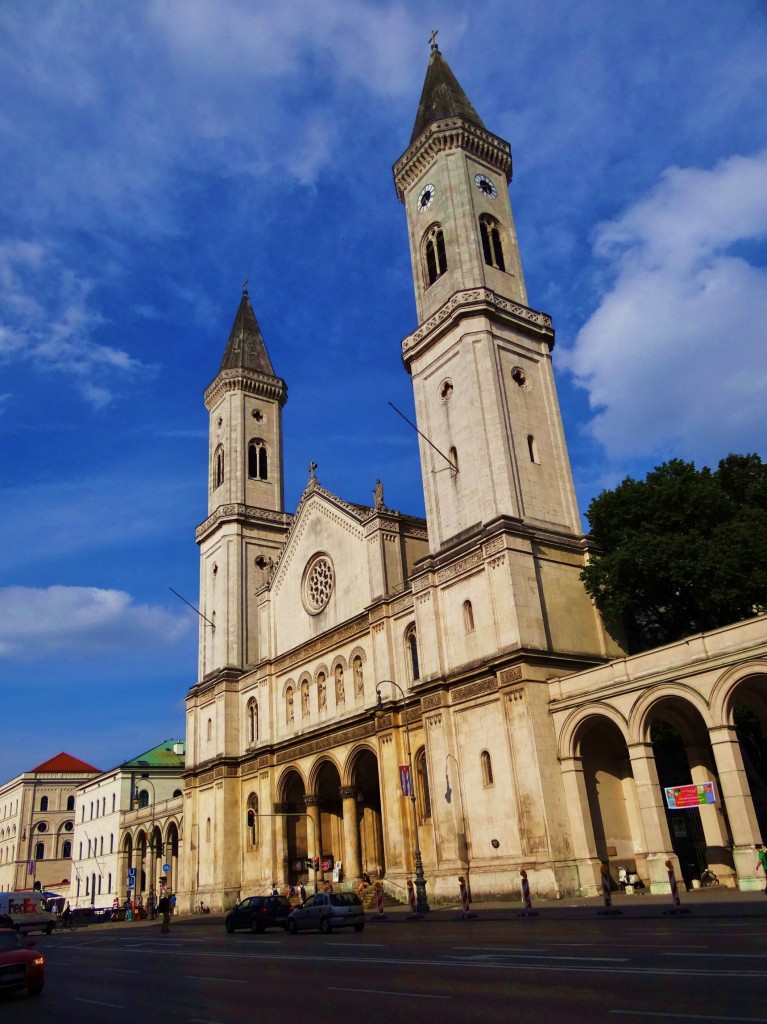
(21, 966)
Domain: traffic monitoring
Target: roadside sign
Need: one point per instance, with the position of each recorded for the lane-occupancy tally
(166, 868)
(695, 795)
(131, 878)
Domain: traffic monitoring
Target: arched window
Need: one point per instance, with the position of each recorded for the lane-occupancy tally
(66, 850)
(492, 248)
(423, 796)
(468, 617)
(114, 797)
(87, 886)
(91, 815)
(435, 257)
(81, 852)
(210, 729)
(532, 448)
(218, 466)
(487, 769)
(143, 798)
(411, 642)
(252, 720)
(453, 455)
(207, 830)
(70, 803)
(39, 851)
(177, 792)
(252, 820)
(110, 882)
(258, 464)
(43, 803)
(112, 843)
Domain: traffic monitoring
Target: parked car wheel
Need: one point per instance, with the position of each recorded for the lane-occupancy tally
(325, 926)
(49, 928)
(358, 927)
(292, 927)
(255, 926)
(229, 927)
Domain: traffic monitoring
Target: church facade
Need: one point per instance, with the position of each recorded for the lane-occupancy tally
(405, 697)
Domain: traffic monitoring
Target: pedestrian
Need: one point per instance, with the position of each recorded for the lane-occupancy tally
(302, 892)
(275, 890)
(762, 854)
(623, 878)
(67, 917)
(164, 907)
(115, 908)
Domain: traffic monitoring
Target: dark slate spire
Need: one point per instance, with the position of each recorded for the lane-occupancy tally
(442, 96)
(245, 349)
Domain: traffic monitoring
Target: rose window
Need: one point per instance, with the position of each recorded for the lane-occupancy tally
(318, 584)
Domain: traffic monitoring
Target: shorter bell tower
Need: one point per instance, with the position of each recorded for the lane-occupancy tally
(246, 524)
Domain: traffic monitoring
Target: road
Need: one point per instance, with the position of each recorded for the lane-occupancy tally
(564, 967)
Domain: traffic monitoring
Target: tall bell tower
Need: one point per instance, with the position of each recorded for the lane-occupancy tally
(495, 462)
(246, 523)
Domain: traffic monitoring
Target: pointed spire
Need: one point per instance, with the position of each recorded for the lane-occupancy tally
(442, 96)
(245, 349)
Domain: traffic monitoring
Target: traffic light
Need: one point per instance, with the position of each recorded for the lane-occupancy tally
(316, 864)
(160, 849)
(251, 818)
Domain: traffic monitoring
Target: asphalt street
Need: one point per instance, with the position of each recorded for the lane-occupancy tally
(567, 964)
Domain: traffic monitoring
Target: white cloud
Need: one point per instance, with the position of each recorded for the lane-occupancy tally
(46, 317)
(82, 622)
(673, 357)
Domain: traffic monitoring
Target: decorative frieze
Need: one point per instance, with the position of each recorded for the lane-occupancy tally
(496, 544)
(333, 638)
(431, 700)
(263, 761)
(486, 685)
(325, 743)
(510, 675)
(515, 695)
(434, 720)
(421, 583)
(469, 562)
(242, 512)
(402, 604)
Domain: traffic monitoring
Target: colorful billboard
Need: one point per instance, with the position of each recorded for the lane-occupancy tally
(695, 795)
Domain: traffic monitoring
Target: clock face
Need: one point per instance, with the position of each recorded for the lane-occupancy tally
(485, 186)
(426, 197)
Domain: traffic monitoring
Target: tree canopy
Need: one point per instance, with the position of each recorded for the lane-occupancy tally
(683, 551)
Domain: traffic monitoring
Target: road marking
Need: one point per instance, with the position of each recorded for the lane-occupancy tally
(120, 970)
(95, 1002)
(719, 956)
(545, 956)
(229, 981)
(688, 1016)
(385, 992)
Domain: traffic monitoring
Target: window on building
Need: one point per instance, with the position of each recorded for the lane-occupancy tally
(258, 462)
(492, 247)
(207, 830)
(91, 816)
(70, 803)
(532, 448)
(39, 851)
(43, 803)
(114, 800)
(218, 466)
(99, 885)
(435, 257)
(210, 729)
(252, 720)
(81, 852)
(112, 843)
(66, 850)
(101, 845)
(143, 798)
(78, 886)
(109, 879)
(487, 769)
(468, 617)
(177, 792)
(87, 886)
(453, 456)
(411, 643)
(82, 816)
(423, 796)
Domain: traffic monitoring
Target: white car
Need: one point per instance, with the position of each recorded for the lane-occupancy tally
(328, 911)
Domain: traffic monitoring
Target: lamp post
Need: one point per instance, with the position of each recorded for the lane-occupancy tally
(152, 866)
(422, 905)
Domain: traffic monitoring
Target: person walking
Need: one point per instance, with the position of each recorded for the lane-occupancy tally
(762, 855)
(164, 907)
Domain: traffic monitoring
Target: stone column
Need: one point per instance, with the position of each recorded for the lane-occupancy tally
(581, 826)
(314, 832)
(352, 867)
(652, 810)
(736, 796)
(280, 850)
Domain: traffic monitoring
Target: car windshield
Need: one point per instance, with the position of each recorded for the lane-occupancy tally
(11, 940)
(344, 899)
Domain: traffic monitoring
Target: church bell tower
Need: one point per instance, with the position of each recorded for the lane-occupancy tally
(246, 523)
(495, 467)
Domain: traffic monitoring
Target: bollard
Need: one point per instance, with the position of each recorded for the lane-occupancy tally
(677, 907)
(380, 916)
(609, 910)
(413, 915)
(527, 902)
(466, 914)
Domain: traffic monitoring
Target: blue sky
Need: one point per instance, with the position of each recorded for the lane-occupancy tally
(157, 153)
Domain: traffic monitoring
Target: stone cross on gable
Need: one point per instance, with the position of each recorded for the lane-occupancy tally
(312, 467)
(433, 39)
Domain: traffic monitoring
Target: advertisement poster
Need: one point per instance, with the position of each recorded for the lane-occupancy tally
(695, 795)
(405, 780)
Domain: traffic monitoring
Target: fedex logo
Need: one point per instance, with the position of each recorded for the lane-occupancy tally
(25, 906)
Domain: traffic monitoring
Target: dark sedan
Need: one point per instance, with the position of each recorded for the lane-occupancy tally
(258, 913)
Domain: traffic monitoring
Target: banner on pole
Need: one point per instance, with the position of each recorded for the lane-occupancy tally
(405, 780)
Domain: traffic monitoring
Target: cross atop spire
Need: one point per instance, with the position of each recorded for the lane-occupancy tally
(246, 349)
(433, 39)
(442, 97)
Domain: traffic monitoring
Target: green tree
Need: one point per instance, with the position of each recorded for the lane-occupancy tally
(681, 552)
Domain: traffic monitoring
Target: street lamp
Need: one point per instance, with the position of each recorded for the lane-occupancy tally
(422, 905)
